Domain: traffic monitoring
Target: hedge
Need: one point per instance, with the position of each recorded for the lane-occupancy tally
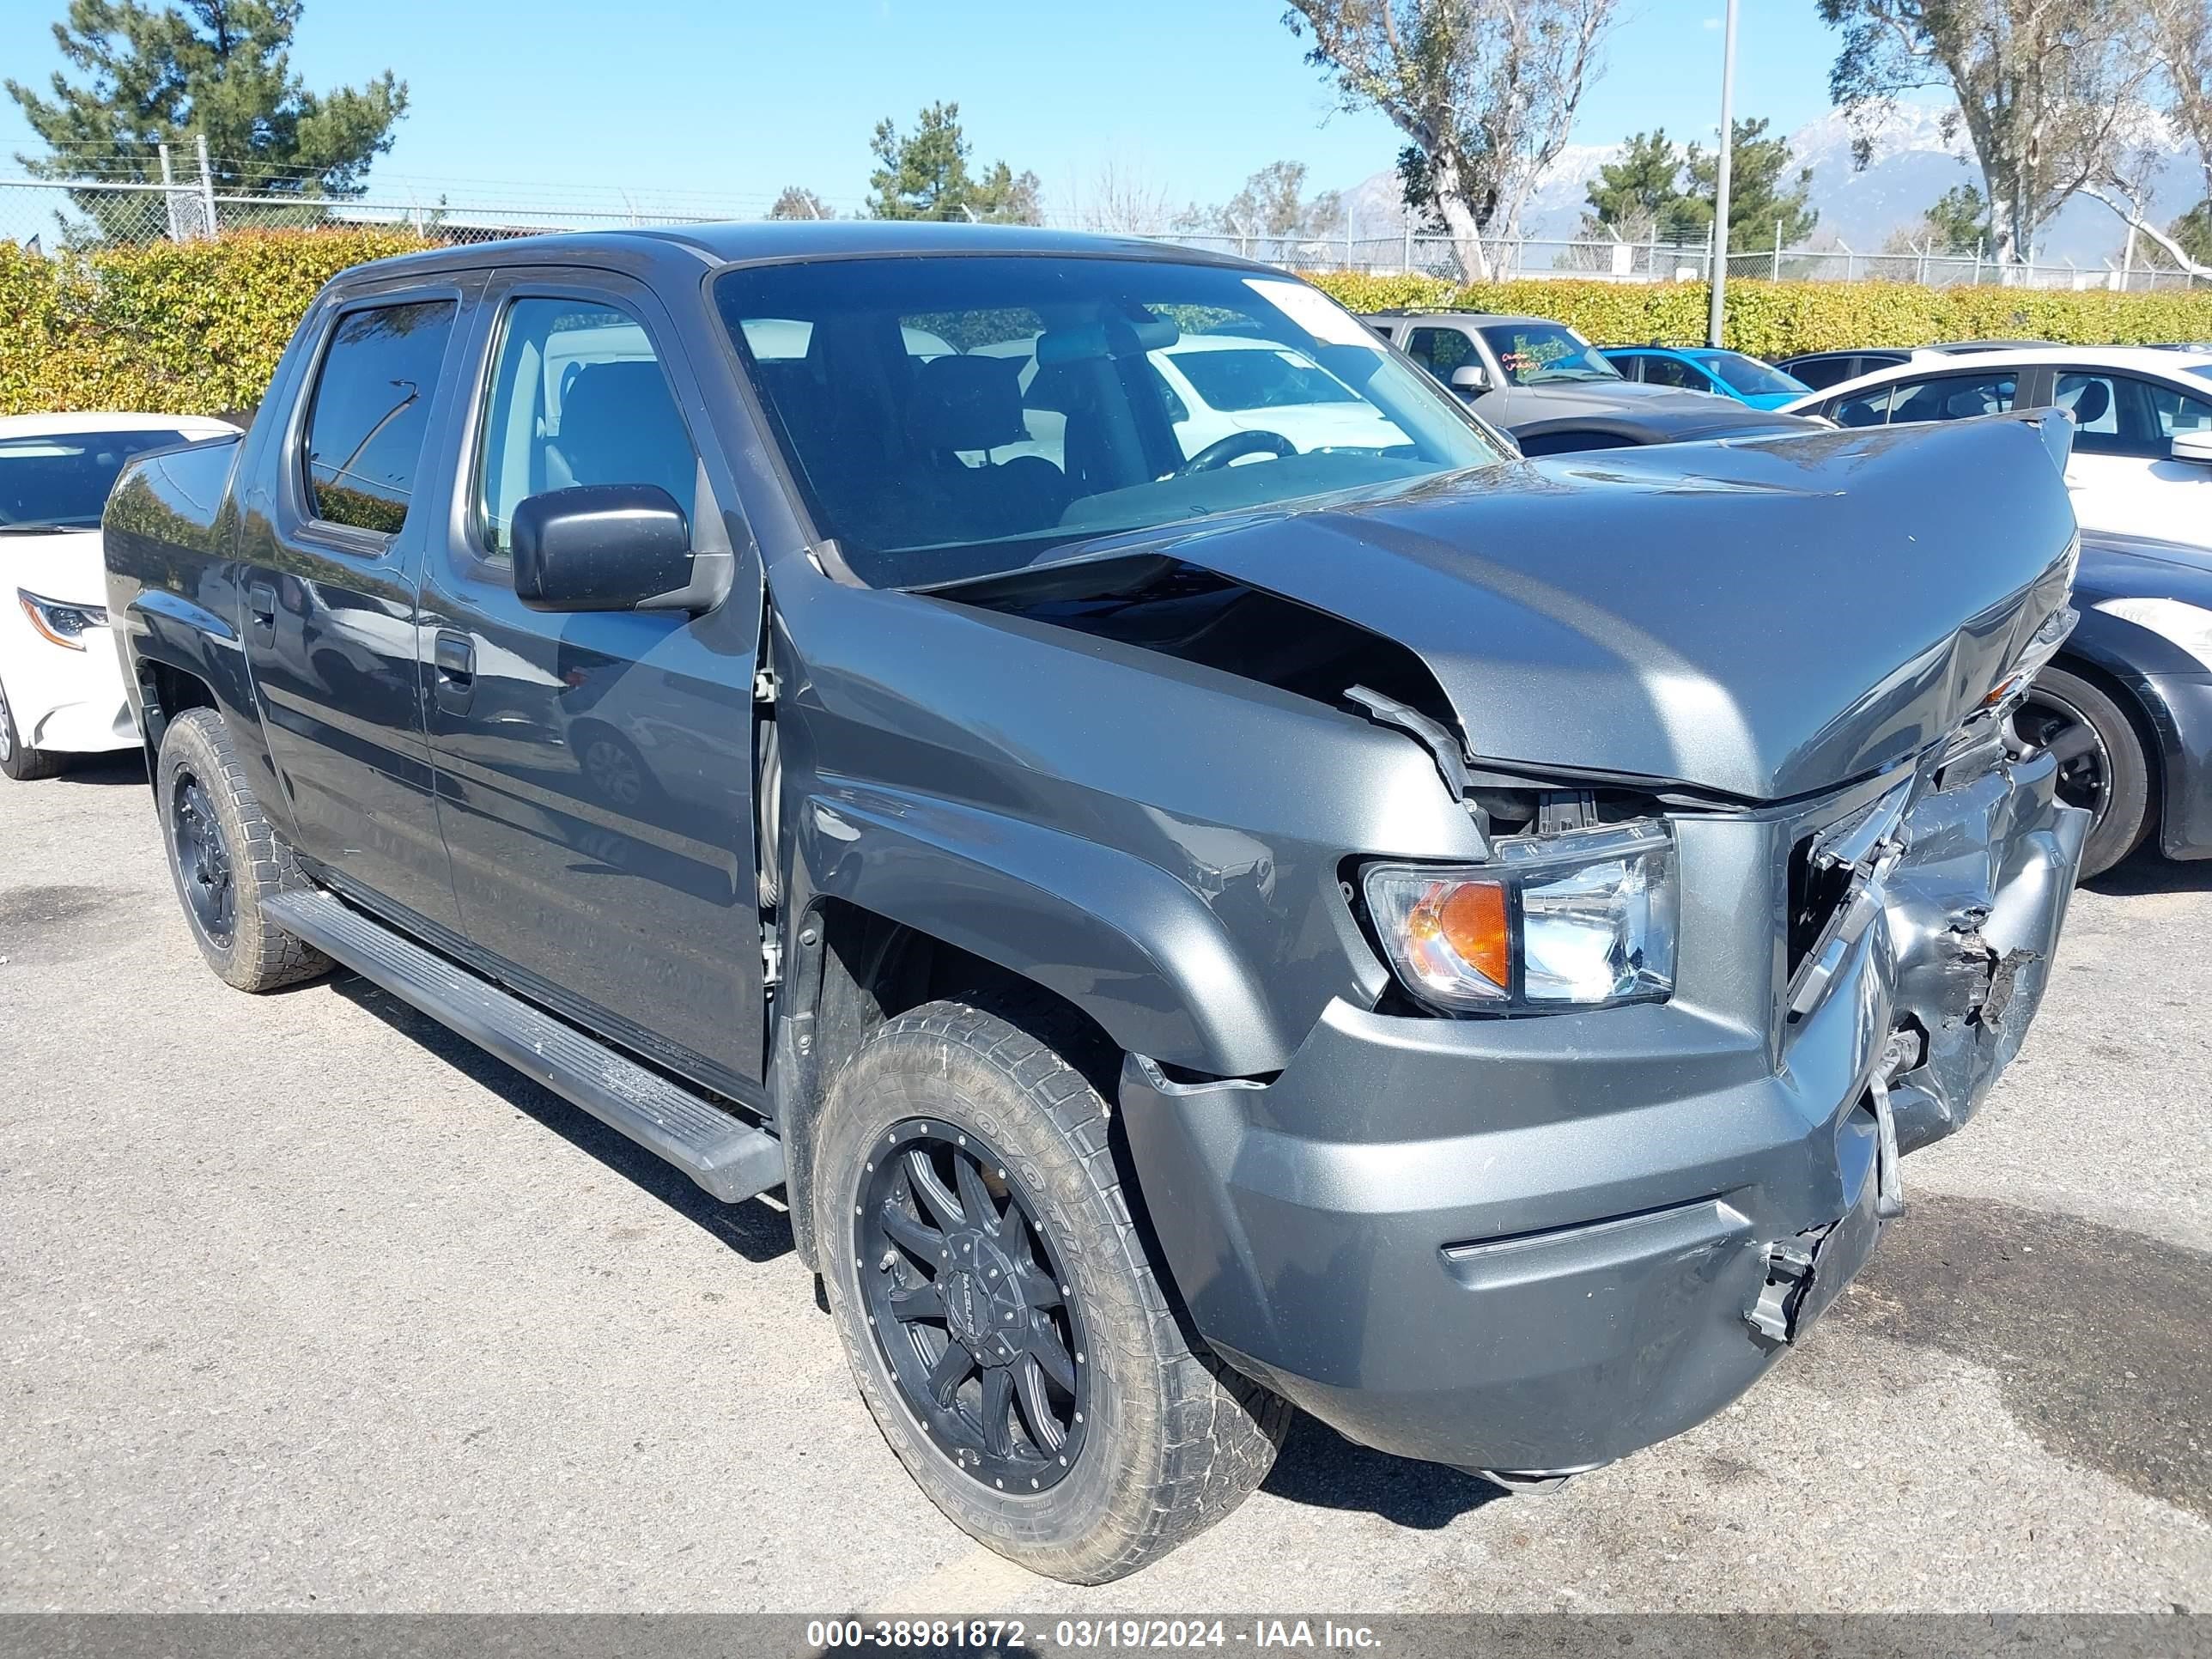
(1772, 319)
(191, 328)
(196, 327)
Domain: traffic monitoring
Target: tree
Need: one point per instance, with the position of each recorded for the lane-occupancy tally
(1761, 206)
(215, 69)
(2180, 45)
(2192, 233)
(1640, 195)
(798, 202)
(1273, 205)
(2043, 89)
(1124, 197)
(925, 175)
(1958, 223)
(1484, 91)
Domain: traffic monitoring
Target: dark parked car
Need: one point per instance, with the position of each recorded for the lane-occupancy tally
(2126, 708)
(1556, 392)
(1455, 943)
(1819, 370)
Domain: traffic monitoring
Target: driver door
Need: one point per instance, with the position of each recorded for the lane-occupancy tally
(594, 769)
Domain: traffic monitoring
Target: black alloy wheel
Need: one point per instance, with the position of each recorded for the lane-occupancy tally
(2047, 721)
(2104, 764)
(970, 1307)
(202, 857)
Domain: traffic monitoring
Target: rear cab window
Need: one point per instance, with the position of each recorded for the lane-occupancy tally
(370, 410)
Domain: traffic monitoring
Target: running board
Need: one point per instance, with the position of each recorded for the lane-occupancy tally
(731, 1159)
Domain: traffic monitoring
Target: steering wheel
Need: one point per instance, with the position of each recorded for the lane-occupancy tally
(1234, 447)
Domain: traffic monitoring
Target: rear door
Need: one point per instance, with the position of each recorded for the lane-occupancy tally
(2123, 475)
(595, 770)
(336, 540)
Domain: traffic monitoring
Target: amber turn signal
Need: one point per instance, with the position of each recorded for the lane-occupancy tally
(1468, 918)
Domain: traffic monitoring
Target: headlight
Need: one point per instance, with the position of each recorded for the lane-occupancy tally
(1583, 919)
(63, 623)
(2189, 626)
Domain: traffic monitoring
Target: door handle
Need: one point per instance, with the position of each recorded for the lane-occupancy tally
(261, 601)
(455, 658)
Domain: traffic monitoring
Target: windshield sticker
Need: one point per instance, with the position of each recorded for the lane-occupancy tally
(1314, 312)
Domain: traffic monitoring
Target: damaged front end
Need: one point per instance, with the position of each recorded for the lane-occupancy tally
(1953, 886)
(1536, 1245)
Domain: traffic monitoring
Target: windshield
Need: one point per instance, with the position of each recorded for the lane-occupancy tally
(1544, 354)
(1748, 375)
(60, 481)
(962, 414)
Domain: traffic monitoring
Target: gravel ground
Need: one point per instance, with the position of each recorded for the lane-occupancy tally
(306, 1303)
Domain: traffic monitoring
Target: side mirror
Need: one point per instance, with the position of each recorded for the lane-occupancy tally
(1469, 379)
(611, 547)
(2195, 447)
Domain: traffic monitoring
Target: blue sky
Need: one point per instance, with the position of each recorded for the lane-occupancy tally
(741, 99)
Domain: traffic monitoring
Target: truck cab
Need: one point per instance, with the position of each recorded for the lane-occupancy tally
(1192, 933)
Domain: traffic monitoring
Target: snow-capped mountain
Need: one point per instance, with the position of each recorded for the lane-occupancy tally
(1913, 164)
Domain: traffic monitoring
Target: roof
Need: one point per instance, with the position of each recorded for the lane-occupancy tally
(764, 239)
(40, 426)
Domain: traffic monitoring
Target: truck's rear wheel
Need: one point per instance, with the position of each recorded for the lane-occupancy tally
(994, 1297)
(226, 859)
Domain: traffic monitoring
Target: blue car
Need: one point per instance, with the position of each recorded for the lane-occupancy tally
(1701, 369)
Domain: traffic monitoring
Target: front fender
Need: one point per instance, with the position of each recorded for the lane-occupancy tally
(1119, 937)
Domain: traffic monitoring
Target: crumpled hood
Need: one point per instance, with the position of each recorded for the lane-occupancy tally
(1762, 619)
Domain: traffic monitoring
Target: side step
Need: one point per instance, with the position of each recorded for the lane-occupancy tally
(731, 1159)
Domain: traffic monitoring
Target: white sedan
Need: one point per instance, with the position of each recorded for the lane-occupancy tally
(61, 679)
(2143, 418)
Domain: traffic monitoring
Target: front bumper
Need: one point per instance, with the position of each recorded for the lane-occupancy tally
(1539, 1245)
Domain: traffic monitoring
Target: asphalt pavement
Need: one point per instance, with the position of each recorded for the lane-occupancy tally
(306, 1303)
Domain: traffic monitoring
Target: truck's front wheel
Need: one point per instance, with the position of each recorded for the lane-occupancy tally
(995, 1299)
(226, 859)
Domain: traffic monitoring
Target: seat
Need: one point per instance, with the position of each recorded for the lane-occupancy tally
(619, 425)
(2091, 403)
(962, 405)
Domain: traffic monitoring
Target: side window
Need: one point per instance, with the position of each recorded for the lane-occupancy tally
(1868, 407)
(1817, 372)
(2179, 412)
(1673, 371)
(1952, 397)
(1440, 350)
(2119, 415)
(577, 398)
(372, 405)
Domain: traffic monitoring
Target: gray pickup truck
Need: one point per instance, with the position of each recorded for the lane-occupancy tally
(1202, 903)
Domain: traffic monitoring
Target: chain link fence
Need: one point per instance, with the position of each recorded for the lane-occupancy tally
(60, 215)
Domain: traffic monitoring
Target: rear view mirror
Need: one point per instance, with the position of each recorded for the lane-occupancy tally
(1468, 379)
(610, 547)
(2195, 447)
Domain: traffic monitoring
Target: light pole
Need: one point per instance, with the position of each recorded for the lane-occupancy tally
(1721, 192)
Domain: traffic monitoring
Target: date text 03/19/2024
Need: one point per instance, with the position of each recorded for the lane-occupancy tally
(1078, 1635)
